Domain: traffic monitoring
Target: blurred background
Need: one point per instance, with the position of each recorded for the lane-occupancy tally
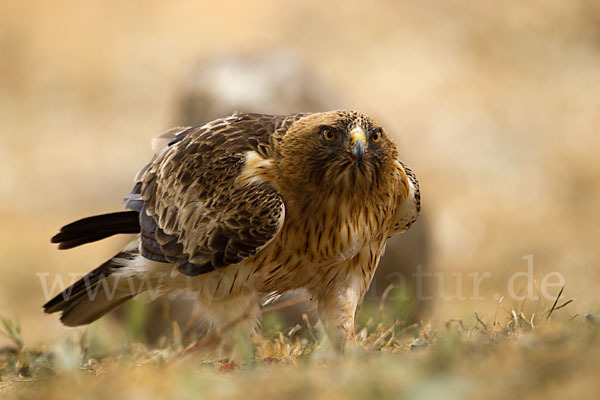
(495, 107)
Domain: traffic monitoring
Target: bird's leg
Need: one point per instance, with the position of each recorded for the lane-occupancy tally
(337, 310)
(235, 320)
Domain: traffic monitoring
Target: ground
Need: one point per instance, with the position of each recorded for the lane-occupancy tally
(544, 354)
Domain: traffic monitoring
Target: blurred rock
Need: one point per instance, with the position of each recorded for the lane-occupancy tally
(276, 82)
(280, 82)
(406, 256)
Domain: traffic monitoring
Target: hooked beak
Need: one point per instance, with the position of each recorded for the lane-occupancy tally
(357, 144)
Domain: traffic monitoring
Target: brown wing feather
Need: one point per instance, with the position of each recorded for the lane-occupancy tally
(409, 200)
(194, 213)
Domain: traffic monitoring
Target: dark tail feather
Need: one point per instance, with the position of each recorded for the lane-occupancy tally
(95, 294)
(98, 227)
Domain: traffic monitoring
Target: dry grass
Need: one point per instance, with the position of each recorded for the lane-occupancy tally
(545, 353)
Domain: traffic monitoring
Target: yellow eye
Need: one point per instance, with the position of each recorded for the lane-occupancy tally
(376, 136)
(328, 135)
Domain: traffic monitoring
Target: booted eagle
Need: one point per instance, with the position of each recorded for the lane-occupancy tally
(250, 205)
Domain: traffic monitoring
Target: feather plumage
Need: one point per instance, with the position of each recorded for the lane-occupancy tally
(255, 203)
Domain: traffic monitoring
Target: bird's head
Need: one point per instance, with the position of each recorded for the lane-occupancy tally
(337, 148)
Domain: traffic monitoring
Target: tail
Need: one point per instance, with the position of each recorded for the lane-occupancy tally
(95, 228)
(96, 293)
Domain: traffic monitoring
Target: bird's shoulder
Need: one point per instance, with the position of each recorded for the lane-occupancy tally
(209, 156)
(236, 133)
(199, 207)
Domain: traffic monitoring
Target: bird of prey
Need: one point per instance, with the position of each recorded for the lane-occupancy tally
(249, 205)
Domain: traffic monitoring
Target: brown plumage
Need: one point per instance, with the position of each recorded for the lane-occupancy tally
(254, 204)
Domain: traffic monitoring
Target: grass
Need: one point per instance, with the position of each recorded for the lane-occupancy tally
(543, 353)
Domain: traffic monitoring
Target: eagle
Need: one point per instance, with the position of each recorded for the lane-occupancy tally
(248, 206)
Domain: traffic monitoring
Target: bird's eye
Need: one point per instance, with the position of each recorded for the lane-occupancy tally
(328, 134)
(376, 136)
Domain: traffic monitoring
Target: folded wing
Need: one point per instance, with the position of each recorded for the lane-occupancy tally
(194, 210)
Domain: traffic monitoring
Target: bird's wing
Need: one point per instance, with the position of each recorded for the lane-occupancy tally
(202, 200)
(408, 205)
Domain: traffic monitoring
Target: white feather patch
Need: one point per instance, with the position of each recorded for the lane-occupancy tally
(255, 167)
